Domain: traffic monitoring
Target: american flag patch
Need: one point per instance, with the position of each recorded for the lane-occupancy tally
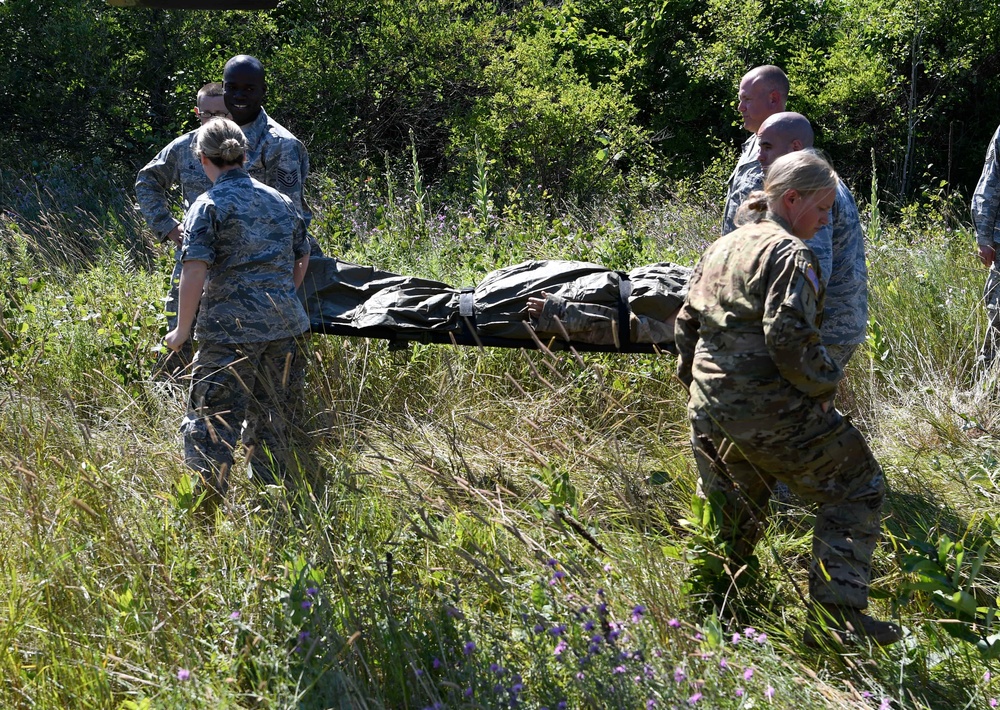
(812, 278)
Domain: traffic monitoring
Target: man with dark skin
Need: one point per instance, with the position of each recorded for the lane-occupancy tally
(275, 157)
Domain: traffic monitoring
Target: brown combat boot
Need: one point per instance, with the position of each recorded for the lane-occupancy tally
(845, 625)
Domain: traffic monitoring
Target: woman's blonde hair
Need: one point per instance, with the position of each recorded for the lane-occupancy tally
(804, 171)
(222, 142)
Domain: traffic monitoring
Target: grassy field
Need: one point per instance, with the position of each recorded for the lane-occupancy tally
(472, 528)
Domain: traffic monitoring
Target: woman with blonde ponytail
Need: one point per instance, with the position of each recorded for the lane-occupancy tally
(760, 392)
(244, 255)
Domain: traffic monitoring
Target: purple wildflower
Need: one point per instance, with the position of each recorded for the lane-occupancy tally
(748, 673)
(538, 628)
(736, 638)
(235, 616)
(469, 647)
(674, 624)
(693, 700)
(552, 562)
(312, 591)
(307, 604)
(183, 674)
(650, 704)
(557, 630)
(588, 625)
(993, 702)
(637, 611)
(560, 647)
(739, 693)
(679, 674)
(558, 574)
(619, 670)
(580, 676)
(468, 692)
(769, 693)
(435, 663)
(886, 704)
(723, 664)
(761, 638)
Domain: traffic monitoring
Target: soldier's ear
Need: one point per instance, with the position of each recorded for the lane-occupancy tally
(796, 145)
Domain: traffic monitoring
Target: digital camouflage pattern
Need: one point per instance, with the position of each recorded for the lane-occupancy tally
(749, 350)
(841, 244)
(986, 198)
(177, 165)
(985, 210)
(739, 181)
(277, 158)
(250, 235)
(230, 382)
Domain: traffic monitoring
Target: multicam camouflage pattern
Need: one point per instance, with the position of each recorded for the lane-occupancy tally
(746, 174)
(986, 198)
(277, 158)
(230, 382)
(823, 459)
(250, 235)
(840, 248)
(750, 352)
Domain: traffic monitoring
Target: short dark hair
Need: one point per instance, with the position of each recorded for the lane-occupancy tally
(213, 88)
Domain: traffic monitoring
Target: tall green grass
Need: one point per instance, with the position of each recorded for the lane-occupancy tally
(473, 528)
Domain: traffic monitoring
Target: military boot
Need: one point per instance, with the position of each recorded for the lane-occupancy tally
(845, 625)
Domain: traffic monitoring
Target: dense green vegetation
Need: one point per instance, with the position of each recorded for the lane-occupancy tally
(479, 528)
(578, 96)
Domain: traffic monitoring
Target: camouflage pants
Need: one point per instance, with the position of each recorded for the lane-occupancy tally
(991, 297)
(822, 458)
(250, 386)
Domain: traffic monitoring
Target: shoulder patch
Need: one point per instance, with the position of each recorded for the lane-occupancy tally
(812, 278)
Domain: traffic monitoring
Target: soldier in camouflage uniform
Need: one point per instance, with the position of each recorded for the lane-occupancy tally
(245, 253)
(177, 165)
(839, 245)
(274, 156)
(985, 213)
(761, 386)
(763, 91)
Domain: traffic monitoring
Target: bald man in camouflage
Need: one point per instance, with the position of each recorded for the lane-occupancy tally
(763, 92)
(839, 246)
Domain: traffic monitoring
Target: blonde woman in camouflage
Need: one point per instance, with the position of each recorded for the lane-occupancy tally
(245, 253)
(761, 386)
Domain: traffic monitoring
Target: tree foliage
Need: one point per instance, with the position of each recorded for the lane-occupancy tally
(575, 95)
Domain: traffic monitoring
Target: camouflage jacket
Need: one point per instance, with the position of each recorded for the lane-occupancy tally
(747, 337)
(744, 175)
(250, 235)
(277, 158)
(986, 198)
(176, 164)
(840, 248)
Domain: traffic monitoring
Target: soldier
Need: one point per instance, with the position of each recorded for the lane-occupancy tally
(763, 92)
(274, 157)
(985, 213)
(839, 245)
(245, 253)
(177, 165)
(761, 386)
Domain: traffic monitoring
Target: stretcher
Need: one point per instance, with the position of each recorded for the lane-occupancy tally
(587, 307)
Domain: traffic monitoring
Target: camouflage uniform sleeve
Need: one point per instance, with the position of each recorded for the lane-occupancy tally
(300, 241)
(751, 178)
(583, 322)
(152, 186)
(199, 232)
(986, 197)
(686, 331)
(287, 172)
(794, 294)
(822, 246)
